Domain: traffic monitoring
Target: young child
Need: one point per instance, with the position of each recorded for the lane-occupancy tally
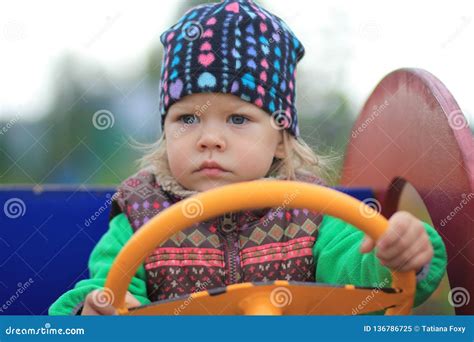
(228, 115)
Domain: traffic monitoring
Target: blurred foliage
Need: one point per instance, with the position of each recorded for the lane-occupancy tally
(64, 146)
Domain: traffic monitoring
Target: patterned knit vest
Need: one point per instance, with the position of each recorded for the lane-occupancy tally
(247, 246)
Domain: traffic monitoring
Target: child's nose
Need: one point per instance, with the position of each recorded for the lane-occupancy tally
(211, 139)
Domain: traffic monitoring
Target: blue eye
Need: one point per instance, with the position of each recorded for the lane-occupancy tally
(188, 119)
(238, 119)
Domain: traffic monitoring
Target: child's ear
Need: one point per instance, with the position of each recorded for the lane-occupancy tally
(280, 149)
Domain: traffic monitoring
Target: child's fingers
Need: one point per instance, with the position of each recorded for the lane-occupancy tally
(99, 302)
(403, 258)
(367, 245)
(131, 301)
(400, 242)
(398, 225)
(418, 262)
(390, 238)
(414, 260)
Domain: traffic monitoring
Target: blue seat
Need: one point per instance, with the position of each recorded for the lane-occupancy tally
(46, 238)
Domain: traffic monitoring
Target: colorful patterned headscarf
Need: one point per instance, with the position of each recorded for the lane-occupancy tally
(234, 47)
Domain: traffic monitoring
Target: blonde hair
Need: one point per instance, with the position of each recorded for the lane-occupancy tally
(299, 157)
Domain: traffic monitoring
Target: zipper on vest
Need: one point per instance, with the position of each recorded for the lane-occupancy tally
(229, 229)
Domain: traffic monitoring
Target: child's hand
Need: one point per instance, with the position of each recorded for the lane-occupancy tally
(98, 302)
(405, 246)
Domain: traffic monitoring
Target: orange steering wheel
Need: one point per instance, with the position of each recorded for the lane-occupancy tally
(271, 298)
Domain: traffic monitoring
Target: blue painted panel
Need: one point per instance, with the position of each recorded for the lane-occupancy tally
(46, 238)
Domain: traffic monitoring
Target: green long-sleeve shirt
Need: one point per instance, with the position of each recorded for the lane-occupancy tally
(336, 252)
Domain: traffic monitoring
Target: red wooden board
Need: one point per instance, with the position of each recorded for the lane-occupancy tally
(412, 130)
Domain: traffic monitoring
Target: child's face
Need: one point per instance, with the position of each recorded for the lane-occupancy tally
(218, 127)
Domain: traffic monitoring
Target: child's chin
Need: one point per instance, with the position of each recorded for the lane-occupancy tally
(212, 184)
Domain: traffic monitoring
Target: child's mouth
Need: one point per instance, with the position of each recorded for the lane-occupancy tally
(211, 171)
